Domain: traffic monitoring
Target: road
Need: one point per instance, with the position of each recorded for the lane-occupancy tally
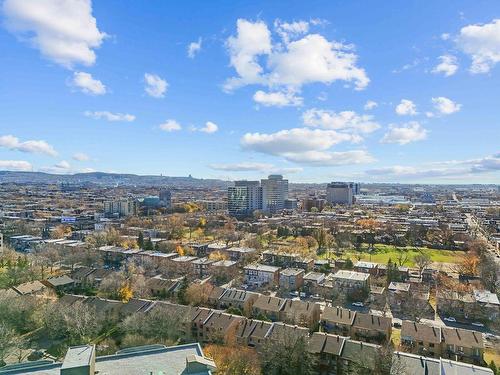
(475, 227)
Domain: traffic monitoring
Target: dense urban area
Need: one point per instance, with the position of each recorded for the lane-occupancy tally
(101, 271)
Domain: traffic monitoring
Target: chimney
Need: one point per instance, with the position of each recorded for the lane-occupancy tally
(79, 360)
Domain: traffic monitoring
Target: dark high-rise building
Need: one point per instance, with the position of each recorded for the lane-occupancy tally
(165, 198)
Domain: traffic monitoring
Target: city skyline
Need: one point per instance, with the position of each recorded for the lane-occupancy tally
(317, 92)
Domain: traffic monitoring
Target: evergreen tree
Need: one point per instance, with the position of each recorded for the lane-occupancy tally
(140, 240)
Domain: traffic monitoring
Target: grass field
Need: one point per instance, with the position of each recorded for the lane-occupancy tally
(383, 253)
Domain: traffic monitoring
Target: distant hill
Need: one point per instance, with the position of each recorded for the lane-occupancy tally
(108, 179)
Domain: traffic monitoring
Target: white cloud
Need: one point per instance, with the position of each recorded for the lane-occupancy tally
(348, 120)
(290, 30)
(63, 30)
(209, 128)
(242, 167)
(336, 158)
(406, 107)
(63, 164)
(307, 146)
(80, 156)
(296, 140)
(253, 39)
(290, 64)
(277, 99)
(87, 84)
(482, 44)
(459, 168)
(110, 116)
(407, 133)
(170, 126)
(445, 106)
(370, 104)
(448, 65)
(445, 36)
(62, 167)
(314, 59)
(193, 48)
(35, 147)
(155, 85)
(15, 165)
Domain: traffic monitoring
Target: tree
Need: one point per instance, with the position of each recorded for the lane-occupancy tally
(161, 325)
(234, 360)
(468, 265)
(125, 292)
(140, 240)
(422, 261)
(9, 341)
(392, 272)
(197, 294)
(287, 355)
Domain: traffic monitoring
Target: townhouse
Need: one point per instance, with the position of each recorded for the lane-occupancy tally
(452, 343)
(299, 312)
(240, 299)
(268, 306)
(260, 274)
(291, 278)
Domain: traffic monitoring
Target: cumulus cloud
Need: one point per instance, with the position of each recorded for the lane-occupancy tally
(300, 59)
(459, 168)
(308, 146)
(252, 40)
(63, 30)
(332, 158)
(369, 105)
(110, 116)
(80, 156)
(347, 120)
(407, 133)
(277, 99)
(482, 43)
(445, 106)
(87, 84)
(290, 30)
(34, 147)
(447, 66)
(62, 167)
(193, 48)
(155, 85)
(242, 167)
(15, 165)
(209, 128)
(406, 108)
(170, 126)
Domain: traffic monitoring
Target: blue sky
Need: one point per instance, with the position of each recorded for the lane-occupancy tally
(316, 90)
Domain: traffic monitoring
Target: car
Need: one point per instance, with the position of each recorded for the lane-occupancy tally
(490, 337)
(358, 304)
(477, 324)
(450, 319)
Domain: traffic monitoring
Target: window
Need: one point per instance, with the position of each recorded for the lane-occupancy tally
(431, 345)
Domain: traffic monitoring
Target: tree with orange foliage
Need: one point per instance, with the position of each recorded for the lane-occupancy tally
(197, 294)
(218, 255)
(125, 292)
(233, 360)
(469, 264)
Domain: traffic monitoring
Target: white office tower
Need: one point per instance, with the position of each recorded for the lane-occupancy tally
(341, 192)
(244, 197)
(274, 193)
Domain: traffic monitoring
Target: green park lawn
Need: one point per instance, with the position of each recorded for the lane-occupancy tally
(383, 253)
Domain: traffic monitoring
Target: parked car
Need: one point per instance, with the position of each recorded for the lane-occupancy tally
(477, 324)
(358, 304)
(450, 319)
